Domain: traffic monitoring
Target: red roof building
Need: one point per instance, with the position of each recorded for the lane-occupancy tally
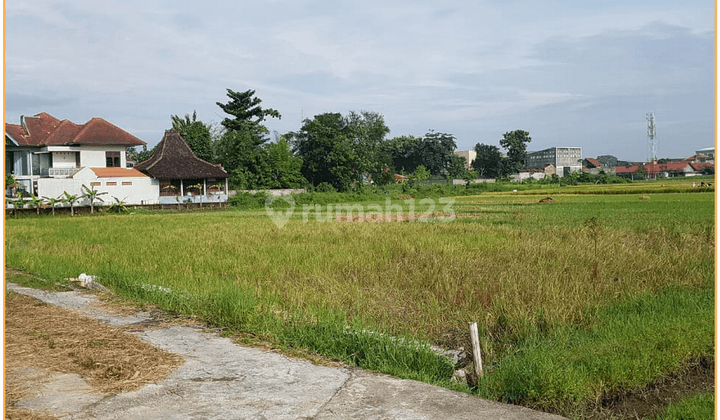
(43, 146)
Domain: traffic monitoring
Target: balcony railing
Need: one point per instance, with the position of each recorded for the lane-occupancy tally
(62, 172)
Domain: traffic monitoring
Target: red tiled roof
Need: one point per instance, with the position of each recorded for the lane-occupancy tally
(699, 166)
(117, 172)
(626, 169)
(45, 130)
(594, 162)
(665, 167)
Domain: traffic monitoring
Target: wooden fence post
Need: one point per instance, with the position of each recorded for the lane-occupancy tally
(475, 341)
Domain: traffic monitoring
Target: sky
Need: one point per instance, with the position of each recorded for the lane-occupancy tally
(571, 73)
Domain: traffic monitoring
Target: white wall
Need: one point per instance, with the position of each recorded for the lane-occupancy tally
(94, 156)
(63, 159)
(136, 190)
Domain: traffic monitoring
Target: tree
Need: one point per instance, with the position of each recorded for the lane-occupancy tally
(328, 154)
(367, 130)
(70, 199)
(284, 166)
(456, 166)
(240, 148)
(404, 153)
(196, 134)
(52, 202)
(247, 112)
(435, 151)
(515, 142)
(488, 161)
(138, 157)
(36, 202)
(92, 194)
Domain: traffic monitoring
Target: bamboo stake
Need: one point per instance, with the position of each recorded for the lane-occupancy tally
(475, 341)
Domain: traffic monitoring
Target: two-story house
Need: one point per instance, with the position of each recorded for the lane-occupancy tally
(49, 156)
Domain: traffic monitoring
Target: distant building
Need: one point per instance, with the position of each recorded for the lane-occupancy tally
(709, 152)
(608, 160)
(469, 156)
(564, 159)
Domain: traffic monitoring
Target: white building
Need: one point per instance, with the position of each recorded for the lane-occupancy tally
(48, 157)
(469, 156)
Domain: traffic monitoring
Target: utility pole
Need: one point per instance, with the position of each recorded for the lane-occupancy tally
(651, 143)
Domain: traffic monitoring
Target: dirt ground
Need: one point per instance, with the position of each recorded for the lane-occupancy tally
(56, 340)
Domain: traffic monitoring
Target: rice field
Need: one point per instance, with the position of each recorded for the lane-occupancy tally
(574, 298)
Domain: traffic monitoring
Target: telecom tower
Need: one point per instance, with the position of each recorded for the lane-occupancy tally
(651, 139)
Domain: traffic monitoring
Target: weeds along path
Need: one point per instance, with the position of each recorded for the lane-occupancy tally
(79, 368)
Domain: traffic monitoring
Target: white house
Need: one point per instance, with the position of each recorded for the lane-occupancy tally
(48, 157)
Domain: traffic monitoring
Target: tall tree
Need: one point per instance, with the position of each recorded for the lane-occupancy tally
(436, 152)
(196, 134)
(342, 150)
(404, 153)
(515, 142)
(247, 112)
(367, 130)
(240, 148)
(320, 145)
(488, 162)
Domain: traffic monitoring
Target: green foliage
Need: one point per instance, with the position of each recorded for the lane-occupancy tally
(241, 149)
(117, 206)
(436, 150)
(145, 154)
(619, 346)
(52, 202)
(247, 112)
(196, 134)
(341, 150)
(456, 166)
(9, 180)
(92, 194)
(515, 142)
(489, 162)
(420, 173)
(697, 407)
(325, 187)
(247, 200)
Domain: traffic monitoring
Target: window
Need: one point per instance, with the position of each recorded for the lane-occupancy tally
(112, 159)
(127, 183)
(110, 184)
(95, 184)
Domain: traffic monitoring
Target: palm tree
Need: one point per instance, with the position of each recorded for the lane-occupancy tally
(92, 195)
(69, 198)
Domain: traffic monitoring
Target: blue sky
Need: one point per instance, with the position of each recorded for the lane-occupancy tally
(572, 73)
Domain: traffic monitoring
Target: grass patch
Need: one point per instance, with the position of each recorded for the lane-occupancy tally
(699, 407)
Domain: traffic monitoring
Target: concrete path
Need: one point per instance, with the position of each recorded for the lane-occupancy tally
(221, 380)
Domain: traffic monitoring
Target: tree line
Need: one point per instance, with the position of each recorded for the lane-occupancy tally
(340, 150)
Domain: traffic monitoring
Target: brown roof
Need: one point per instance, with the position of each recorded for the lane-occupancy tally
(173, 159)
(626, 169)
(666, 167)
(594, 162)
(699, 166)
(45, 130)
(117, 172)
